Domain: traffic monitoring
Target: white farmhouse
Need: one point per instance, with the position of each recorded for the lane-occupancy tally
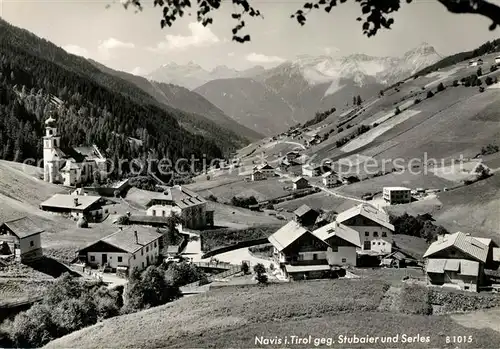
(343, 242)
(190, 206)
(21, 238)
(129, 248)
(87, 206)
(330, 179)
(372, 224)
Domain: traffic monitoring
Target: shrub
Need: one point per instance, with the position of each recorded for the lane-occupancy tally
(489, 149)
(245, 268)
(181, 274)
(397, 111)
(212, 197)
(440, 87)
(479, 82)
(430, 94)
(148, 289)
(479, 72)
(69, 304)
(417, 101)
(348, 126)
(452, 301)
(340, 129)
(260, 272)
(493, 68)
(481, 89)
(488, 81)
(244, 202)
(415, 300)
(419, 226)
(455, 83)
(123, 220)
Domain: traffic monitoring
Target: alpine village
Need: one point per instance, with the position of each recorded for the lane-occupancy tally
(289, 224)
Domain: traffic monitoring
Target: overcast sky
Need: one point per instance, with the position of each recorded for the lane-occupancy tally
(134, 42)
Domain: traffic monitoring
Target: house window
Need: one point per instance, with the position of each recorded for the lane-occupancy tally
(32, 243)
(147, 248)
(375, 233)
(143, 264)
(92, 258)
(154, 212)
(367, 245)
(155, 243)
(120, 259)
(379, 243)
(134, 256)
(335, 248)
(142, 252)
(344, 260)
(367, 233)
(384, 234)
(315, 256)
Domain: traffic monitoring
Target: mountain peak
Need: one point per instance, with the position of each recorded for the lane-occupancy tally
(423, 49)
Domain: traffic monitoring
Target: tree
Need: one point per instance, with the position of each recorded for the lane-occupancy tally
(180, 274)
(397, 111)
(245, 268)
(260, 273)
(375, 15)
(381, 93)
(430, 94)
(488, 81)
(440, 87)
(148, 289)
(359, 101)
(493, 68)
(455, 83)
(479, 72)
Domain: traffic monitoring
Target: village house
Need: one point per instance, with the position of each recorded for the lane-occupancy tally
(292, 155)
(258, 176)
(497, 60)
(128, 248)
(330, 179)
(397, 195)
(299, 253)
(306, 216)
(71, 166)
(86, 206)
(191, 207)
(300, 183)
(458, 261)
(266, 169)
(343, 242)
(373, 226)
(21, 238)
(311, 170)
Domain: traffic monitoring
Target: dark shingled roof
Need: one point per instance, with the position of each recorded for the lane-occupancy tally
(302, 210)
(23, 227)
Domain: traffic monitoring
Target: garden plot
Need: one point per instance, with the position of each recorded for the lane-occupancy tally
(371, 135)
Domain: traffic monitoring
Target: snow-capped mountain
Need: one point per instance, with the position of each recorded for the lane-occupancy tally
(271, 100)
(192, 75)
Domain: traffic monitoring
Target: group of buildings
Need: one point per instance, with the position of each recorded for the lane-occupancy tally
(70, 166)
(454, 261)
(303, 252)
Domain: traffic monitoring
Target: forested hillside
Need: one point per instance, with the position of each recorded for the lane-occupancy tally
(97, 107)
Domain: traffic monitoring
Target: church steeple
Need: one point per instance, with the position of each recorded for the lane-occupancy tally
(51, 142)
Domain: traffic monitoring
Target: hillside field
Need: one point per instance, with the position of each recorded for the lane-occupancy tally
(326, 308)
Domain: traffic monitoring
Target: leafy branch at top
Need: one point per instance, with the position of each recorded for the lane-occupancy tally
(375, 14)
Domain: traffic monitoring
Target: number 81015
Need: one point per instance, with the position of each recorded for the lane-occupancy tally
(458, 339)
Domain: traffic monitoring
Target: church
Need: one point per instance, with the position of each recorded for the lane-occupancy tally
(73, 166)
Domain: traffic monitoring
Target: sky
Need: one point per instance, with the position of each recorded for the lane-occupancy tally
(134, 41)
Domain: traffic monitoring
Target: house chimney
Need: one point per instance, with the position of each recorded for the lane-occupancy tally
(136, 237)
(75, 200)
